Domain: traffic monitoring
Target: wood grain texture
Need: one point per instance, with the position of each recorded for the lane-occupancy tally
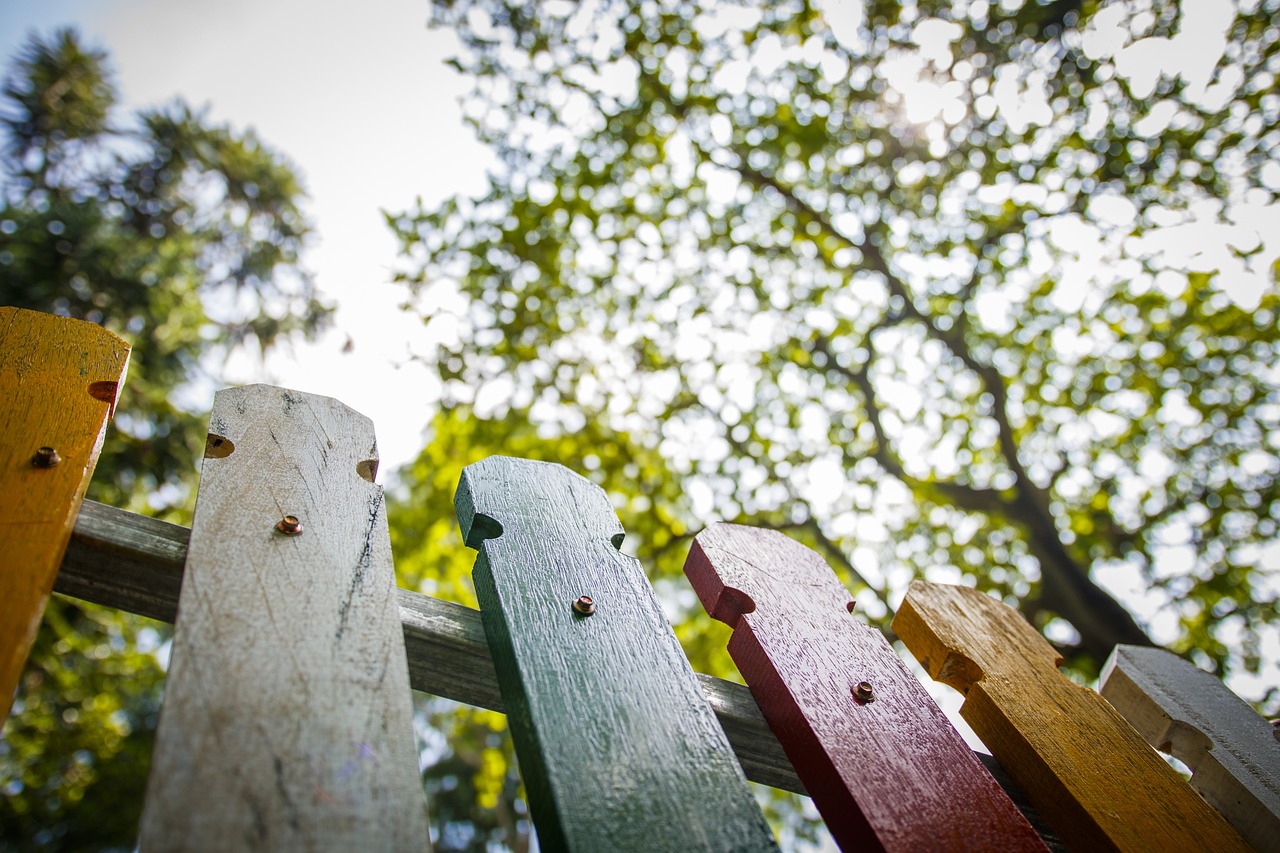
(617, 747)
(1088, 772)
(286, 722)
(887, 774)
(59, 379)
(1234, 753)
(134, 563)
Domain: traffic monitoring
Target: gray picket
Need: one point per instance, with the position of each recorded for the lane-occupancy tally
(287, 721)
(1234, 753)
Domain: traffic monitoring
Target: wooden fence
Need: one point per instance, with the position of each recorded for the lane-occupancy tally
(286, 721)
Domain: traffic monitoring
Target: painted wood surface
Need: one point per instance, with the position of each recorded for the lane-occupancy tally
(286, 722)
(1088, 772)
(617, 747)
(59, 379)
(884, 766)
(134, 563)
(1234, 753)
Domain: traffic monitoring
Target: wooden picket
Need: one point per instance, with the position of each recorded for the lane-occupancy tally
(1234, 754)
(286, 721)
(884, 766)
(58, 384)
(617, 748)
(1089, 773)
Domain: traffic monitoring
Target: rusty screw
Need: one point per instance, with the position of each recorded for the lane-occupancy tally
(45, 457)
(863, 692)
(290, 525)
(583, 605)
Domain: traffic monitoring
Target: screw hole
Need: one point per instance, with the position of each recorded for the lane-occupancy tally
(106, 391)
(218, 447)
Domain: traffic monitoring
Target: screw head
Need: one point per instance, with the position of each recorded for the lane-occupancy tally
(45, 457)
(583, 605)
(290, 524)
(864, 692)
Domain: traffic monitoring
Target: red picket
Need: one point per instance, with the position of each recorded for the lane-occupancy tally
(883, 764)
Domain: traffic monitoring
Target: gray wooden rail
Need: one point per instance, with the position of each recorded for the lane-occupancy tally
(134, 563)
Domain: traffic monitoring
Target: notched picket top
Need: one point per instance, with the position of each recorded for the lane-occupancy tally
(1233, 753)
(59, 380)
(884, 765)
(1086, 770)
(617, 746)
(287, 721)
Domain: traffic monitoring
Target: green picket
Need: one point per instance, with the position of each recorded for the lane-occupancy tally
(616, 744)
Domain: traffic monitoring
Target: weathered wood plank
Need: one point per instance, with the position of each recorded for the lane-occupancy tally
(1088, 772)
(1234, 753)
(287, 721)
(617, 747)
(59, 379)
(885, 767)
(134, 563)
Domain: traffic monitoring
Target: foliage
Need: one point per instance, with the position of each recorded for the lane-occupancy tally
(77, 748)
(915, 281)
(182, 237)
(167, 230)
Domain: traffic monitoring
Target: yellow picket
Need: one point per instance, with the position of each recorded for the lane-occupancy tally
(59, 379)
(1094, 778)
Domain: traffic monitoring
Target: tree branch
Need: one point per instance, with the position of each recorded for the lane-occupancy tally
(1066, 587)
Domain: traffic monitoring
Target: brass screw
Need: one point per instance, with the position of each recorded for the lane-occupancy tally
(583, 605)
(863, 692)
(45, 457)
(290, 525)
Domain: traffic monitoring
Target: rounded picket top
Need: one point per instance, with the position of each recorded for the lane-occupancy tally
(500, 492)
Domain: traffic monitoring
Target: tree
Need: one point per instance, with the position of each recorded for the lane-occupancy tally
(914, 282)
(184, 237)
(167, 229)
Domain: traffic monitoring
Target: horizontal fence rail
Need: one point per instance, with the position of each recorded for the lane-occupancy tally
(134, 563)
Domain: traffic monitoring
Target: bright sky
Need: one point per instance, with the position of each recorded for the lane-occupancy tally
(362, 102)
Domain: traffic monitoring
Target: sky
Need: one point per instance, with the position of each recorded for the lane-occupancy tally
(362, 103)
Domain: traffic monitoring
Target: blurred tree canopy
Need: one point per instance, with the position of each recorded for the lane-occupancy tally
(979, 291)
(964, 290)
(182, 237)
(165, 229)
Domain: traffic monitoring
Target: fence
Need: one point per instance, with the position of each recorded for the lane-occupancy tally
(286, 717)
